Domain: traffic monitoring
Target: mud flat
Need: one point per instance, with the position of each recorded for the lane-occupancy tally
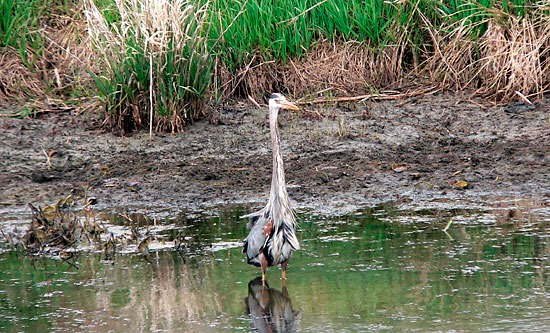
(442, 149)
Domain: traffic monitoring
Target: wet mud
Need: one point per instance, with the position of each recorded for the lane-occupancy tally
(337, 158)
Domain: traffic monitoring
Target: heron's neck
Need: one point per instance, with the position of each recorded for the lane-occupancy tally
(278, 185)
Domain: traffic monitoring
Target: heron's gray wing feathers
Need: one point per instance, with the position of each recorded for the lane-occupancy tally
(256, 239)
(253, 217)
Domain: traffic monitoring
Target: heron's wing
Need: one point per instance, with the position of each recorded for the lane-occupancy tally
(253, 217)
(256, 240)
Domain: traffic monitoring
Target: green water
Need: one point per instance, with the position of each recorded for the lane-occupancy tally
(374, 271)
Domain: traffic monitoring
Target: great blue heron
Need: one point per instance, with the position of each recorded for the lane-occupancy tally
(272, 237)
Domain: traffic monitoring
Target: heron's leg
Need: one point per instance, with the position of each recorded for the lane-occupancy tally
(283, 268)
(263, 263)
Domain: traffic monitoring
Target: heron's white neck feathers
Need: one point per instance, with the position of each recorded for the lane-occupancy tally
(279, 204)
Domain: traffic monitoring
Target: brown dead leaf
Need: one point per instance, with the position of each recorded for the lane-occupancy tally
(105, 170)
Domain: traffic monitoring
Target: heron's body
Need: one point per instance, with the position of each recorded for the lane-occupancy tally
(270, 240)
(272, 237)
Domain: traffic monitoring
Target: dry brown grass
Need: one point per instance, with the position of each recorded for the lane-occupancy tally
(346, 69)
(450, 64)
(17, 81)
(338, 69)
(509, 60)
(67, 59)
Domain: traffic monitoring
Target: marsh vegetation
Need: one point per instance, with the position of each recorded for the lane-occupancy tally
(159, 65)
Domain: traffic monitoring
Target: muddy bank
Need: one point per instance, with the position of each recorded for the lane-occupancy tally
(338, 158)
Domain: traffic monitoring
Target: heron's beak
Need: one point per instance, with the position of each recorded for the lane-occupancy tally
(289, 106)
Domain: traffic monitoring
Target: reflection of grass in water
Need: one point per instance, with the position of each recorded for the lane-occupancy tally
(164, 295)
(131, 296)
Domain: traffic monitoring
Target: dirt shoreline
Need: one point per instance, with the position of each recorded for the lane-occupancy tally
(337, 158)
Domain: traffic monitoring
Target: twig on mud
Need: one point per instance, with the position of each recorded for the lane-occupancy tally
(49, 157)
(522, 96)
(151, 111)
(40, 108)
(343, 99)
(313, 114)
(318, 93)
(474, 103)
(393, 96)
(448, 225)
(250, 98)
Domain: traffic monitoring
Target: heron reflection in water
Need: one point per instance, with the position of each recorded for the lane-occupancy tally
(270, 310)
(272, 237)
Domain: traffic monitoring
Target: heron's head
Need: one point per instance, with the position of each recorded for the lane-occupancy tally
(278, 101)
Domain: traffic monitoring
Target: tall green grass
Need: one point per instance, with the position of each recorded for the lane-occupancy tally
(20, 28)
(288, 28)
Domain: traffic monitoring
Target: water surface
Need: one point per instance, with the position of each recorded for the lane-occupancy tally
(377, 270)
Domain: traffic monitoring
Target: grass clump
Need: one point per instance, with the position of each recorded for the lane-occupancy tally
(154, 62)
(507, 56)
(350, 47)
(21, 45)
(270, 42)
(43, 59)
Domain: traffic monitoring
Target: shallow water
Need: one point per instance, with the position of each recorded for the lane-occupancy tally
(376, 270)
